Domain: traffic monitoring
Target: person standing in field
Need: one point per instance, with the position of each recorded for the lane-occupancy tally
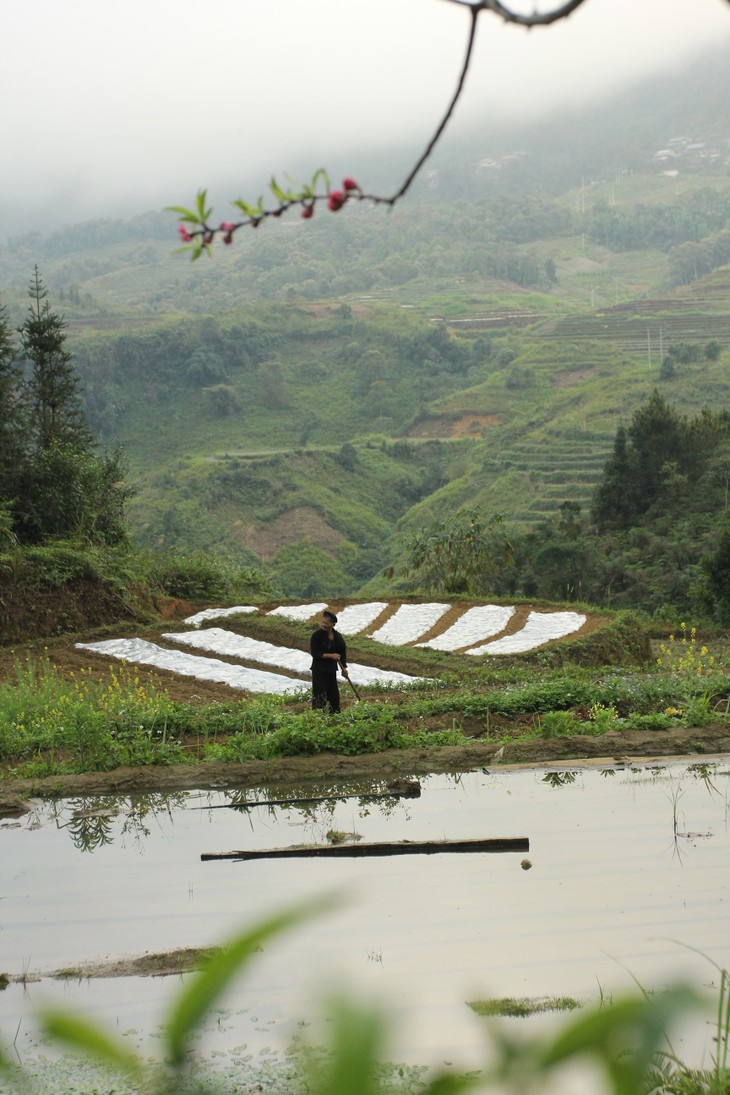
(328, 651)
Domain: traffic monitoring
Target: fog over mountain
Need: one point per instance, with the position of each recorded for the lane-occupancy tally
(122, 109)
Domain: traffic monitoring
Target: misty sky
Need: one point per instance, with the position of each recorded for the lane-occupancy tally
(111, 108)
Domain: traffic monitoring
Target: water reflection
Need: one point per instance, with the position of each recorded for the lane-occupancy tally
(705, 772)
(314, 808)
(559, 779)
(92, 820)
(607, 891)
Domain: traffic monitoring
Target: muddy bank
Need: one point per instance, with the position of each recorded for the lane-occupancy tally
(611, 748)
(164, 964)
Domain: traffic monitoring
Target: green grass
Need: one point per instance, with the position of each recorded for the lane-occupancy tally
(52, 723)
(520, 1007)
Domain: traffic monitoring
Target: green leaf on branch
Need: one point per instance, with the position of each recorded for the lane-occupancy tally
(279, 194)
(185, 214)
(249, 210)
(203, 213)
(321, 174)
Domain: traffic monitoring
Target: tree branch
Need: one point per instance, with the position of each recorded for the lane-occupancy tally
(474, 13)
(509, 16)
(198, 234)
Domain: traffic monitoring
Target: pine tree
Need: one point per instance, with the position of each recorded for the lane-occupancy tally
(68, 488)
(12, 420)
(52, 388)
(614, 500)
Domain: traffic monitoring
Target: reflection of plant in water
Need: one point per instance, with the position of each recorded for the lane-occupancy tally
(705, 772)
(141, 807)
(322, 799)
(676, 795)
(93, 816)
(90, 826)
(702, 772)
(559, 779)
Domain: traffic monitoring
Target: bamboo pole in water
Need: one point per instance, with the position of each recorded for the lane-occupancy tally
(398, 847)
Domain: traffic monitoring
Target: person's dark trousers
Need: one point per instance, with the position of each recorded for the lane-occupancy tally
(325, 692)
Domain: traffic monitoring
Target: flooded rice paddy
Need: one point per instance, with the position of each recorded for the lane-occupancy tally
(629, 877)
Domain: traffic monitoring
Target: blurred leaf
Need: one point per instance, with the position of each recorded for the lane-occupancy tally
(320, 174)
(625, 1037)
(90, 1039)
(247, 208)
(278, 193)
(203, 213)
(356, 1050)
(207, 986)
(5, 1065)
(357, 1041)
(185, 214)
(453, 1083)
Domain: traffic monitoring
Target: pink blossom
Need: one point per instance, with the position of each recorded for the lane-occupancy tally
(350, 184)
(336, 200)
(183, 233)
(307, 212)
(227, 227)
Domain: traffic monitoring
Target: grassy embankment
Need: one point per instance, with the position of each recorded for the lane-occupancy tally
(55, 721)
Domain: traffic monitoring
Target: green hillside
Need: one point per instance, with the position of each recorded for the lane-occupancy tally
(345, 426)
(316, 390)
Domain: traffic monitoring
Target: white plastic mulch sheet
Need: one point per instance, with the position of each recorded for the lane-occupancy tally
(356, 618)
(408, 623)
(219, 641)
(539, 628)
(477, 623)
(189, 665)
(299, 612)
(217, 613)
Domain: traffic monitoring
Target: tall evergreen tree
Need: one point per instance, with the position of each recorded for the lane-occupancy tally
(659, 439)
(12, 420)
(52, 388)
(614, 498)
(68, 489)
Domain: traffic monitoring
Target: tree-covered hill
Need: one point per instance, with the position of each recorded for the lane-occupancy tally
(312, 437)
(320, 389)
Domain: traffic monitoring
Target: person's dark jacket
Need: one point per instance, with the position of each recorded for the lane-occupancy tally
(320, 644)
